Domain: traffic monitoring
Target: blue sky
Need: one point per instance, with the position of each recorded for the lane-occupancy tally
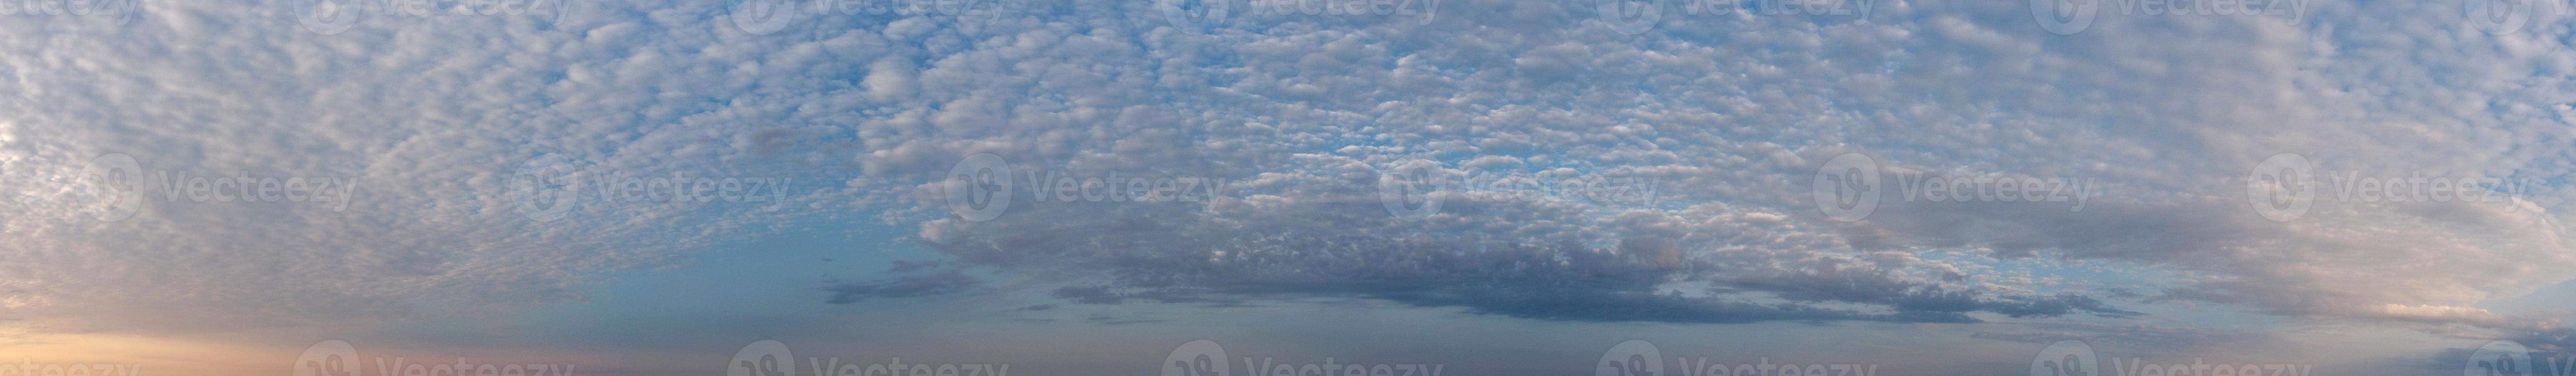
(1082, 188)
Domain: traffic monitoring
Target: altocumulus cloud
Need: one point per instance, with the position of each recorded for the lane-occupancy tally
(1729, 115)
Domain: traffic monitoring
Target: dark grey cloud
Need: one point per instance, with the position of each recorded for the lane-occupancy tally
(942, 282)
(1326, 251)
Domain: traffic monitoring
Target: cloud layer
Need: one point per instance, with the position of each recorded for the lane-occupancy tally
(859, 117)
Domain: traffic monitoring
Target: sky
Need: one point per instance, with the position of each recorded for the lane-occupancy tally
(1286, 187)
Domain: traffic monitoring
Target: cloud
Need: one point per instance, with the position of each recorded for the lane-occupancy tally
(935, 283)
(860, 116)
